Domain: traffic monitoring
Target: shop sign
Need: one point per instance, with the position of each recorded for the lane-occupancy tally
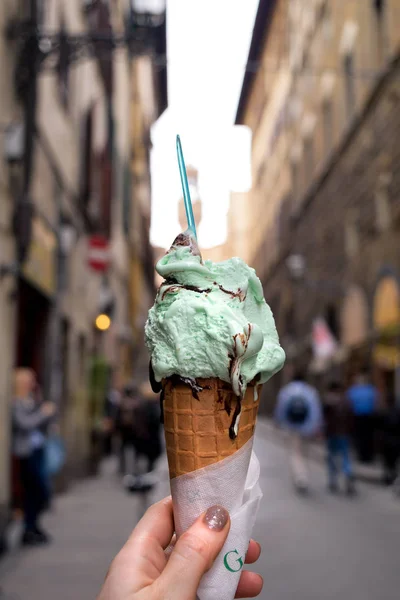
(39, 268)
(386, 357)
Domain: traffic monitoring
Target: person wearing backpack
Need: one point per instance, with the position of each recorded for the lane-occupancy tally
(299, 412)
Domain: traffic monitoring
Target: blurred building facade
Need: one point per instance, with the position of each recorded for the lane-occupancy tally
(323, 107)
(148, 102)
(83, 166)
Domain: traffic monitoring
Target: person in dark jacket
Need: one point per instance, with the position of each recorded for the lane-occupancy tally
(337, 419)
(388, 423)
(138, 423)
(124, 424)
(111, 410)
(363, 397)
(29, 425)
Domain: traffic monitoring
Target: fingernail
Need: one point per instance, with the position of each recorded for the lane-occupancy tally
(216, 518)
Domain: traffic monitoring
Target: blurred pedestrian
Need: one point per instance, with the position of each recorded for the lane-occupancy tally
(124, 423)
(138, 423)
(388, 424)
(298, 411)
(337, 422)
(30, 420)
(147, 427)
(37, 395)
(363, 397)
(143, 569)
(112, 405)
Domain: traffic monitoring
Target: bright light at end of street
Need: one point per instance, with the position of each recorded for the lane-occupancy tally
(103, 322)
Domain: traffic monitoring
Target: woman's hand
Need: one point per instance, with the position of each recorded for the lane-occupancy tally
(144, 571)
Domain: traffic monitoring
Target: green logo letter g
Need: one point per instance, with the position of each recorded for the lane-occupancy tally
(236, 562)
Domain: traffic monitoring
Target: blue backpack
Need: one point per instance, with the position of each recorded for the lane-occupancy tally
(297, 410)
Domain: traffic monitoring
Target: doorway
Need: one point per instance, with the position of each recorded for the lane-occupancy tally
(33, 310)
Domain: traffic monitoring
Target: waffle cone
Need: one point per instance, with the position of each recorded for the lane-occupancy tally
(197, 430)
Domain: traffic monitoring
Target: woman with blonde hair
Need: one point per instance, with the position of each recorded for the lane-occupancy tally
(29, 422)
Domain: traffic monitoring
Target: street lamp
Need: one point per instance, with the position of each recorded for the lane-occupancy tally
(296, 263)
(67, 237)
(154, 7)
(103, 322)
(148, 13)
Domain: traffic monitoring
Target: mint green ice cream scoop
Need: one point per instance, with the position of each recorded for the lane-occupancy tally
(211, 320)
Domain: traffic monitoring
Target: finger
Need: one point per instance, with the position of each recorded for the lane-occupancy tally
(170, 547)
(253, 552)
(194, 553)
(155, 527)
(145, 547)
(250, 585)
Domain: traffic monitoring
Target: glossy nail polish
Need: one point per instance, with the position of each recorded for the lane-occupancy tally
(216, 518)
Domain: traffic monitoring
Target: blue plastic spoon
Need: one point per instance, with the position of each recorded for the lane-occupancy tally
(185, 188)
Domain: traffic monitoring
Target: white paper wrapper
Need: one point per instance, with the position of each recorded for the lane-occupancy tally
(232, 483)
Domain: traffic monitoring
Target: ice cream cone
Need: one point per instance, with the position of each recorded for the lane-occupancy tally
(197, 429)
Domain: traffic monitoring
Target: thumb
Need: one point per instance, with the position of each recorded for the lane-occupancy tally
(194, 554)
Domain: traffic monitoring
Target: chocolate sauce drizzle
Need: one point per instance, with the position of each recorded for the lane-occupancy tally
(171, 286)
(233, 365)
(225, 398)
(239, 294)
(174, 287)
(192, 383)
(236, 414)
(156, 386)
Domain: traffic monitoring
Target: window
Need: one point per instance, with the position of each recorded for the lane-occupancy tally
(352, 238)
(86, 158)
(82, 359)
(382, 204)
(290, 321)
(349, 85)
(65, 331)
(308, 159)
(127, 199)
(381, 29)
(41, 12)
(63, 67)
(327, 125)
(295, 185)
(326, 20)
(332, 320)
(379, 6)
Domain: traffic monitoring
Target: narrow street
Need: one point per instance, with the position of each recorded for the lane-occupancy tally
(319, 547)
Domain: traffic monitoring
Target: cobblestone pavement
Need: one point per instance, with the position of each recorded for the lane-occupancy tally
(318, 547)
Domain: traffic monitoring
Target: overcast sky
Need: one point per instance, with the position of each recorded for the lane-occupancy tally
(208, 43)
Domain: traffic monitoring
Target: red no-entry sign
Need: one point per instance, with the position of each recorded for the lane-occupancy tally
(98, 253)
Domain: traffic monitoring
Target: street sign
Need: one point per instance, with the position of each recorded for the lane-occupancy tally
(98, 253)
